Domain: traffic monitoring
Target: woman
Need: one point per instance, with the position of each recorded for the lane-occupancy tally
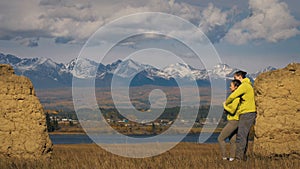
(230, 130)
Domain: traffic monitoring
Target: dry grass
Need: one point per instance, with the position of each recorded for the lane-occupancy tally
(184, 155)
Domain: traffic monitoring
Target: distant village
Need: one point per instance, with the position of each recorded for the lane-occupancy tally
(60, 121)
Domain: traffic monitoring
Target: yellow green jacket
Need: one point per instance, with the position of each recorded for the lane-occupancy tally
(233, 109)
(246, 92)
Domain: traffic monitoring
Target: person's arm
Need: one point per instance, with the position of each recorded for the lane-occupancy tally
(237, 93)
(232, 107)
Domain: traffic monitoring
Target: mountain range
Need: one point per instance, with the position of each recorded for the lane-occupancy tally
(45, 73)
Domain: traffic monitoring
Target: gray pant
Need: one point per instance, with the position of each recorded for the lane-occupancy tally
(229, 131)
(245, 123)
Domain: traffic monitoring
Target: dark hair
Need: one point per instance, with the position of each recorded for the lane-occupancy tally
(241, 73)
(236, 83)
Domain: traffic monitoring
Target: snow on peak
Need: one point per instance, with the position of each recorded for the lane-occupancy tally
(182, 70)
(83, 68)
(178, 70)
(47, 62)
(222, 66)
(222, 70)
(129, 68)
(254, 75)
(269, 68)
(33, 63)
(70, 65)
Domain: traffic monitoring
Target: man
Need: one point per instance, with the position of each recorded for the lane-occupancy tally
(247, 112)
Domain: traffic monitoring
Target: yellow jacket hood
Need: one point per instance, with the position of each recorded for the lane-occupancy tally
(246, 80)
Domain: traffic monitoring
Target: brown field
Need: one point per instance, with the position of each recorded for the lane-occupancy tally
(183, 156)
(61, 98)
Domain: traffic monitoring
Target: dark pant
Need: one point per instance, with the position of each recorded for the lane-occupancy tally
(245, 123)
(229, 131)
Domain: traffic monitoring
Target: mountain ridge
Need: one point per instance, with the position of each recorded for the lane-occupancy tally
(45, 73)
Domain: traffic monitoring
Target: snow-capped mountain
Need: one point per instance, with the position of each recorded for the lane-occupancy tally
(43, 72)
(46, 73)
(37, 63)
(82, 68)
(9, 59)
(128, 68)
(267, 69)
(180, 70)
(222, 71)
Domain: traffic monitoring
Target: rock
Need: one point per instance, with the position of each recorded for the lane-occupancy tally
(6, 70)
(277, 128)
(23, 130)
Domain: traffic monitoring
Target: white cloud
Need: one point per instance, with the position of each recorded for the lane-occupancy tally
(75, 20)
(270, 20)
(212, 17)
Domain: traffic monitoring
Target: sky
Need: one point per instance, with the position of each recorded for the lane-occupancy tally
(249, 34)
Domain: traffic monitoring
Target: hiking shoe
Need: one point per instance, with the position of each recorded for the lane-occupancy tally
(224, 158)
(230, 159)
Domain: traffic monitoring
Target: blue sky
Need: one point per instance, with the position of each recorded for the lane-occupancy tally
(249, 34)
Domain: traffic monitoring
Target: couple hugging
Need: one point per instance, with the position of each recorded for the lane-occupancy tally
(241, 113)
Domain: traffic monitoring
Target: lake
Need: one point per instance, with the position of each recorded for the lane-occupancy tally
(111, 139)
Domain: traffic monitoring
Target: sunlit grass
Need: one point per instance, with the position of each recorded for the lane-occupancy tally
(184, 155)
